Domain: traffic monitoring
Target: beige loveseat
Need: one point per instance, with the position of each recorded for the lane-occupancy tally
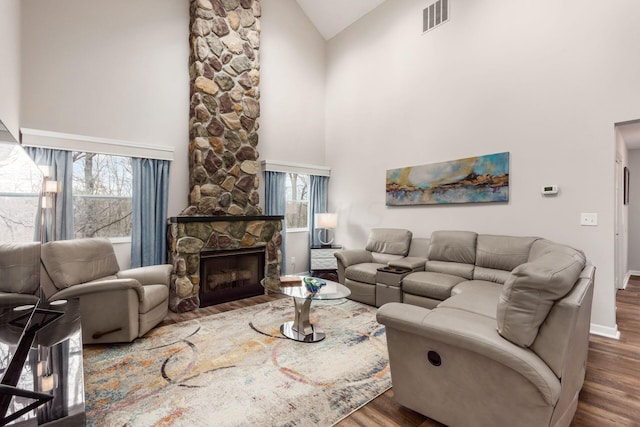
(115, 305)
(493, 332)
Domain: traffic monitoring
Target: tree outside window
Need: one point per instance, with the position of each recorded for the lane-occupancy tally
(102, 189)
(297, 196)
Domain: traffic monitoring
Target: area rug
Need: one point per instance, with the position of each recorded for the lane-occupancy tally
(236, 369)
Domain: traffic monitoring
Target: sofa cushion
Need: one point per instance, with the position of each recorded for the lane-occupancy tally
(365, 272)
(20, 267)
(551, 343)
(429, 284)
(491, 274)
(528, 295)
(393, 241)
(452, 252)
(453, 246)
(502, 252)
(71, 262)
(496, 256)
(543, 246)
(475, 298)
(478, 285)
(452, 268)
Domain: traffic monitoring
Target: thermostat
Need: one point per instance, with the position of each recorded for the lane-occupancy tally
(550, 189)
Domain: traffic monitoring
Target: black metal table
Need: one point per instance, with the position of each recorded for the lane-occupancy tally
(41, 365)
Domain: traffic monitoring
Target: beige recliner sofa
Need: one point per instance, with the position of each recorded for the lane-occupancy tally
(19, 273)
(115, 306)
(494, 332)
(357, 268)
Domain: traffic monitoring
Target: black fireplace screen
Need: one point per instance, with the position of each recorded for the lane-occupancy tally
(231, 275)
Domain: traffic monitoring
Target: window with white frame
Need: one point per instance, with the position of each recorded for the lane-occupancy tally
(102, 190)
(297, 196)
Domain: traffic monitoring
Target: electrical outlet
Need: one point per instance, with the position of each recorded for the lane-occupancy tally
(293, 260)
(590, 219)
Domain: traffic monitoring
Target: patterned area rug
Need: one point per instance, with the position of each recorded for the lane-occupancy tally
(236, 369)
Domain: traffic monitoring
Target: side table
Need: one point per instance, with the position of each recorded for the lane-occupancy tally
(323, 263)
(388, 281)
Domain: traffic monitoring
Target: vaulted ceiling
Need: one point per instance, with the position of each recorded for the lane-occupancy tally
(332, 16)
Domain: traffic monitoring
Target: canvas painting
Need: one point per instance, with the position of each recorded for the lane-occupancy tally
(478, 179)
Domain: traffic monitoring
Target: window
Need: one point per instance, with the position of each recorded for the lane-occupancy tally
(297, 189)
(102, 189)
(20, 182)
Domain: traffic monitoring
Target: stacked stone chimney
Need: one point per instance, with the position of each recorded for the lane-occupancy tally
(224, 111)
(223, 212)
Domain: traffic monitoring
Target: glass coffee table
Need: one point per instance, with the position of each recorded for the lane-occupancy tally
(300, 328)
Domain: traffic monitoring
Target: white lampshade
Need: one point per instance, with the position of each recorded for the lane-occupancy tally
(326, 220)
(51, 186)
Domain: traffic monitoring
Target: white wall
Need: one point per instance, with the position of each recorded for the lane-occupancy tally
(119, 69)
(112, 69)
(10, 65)
(543, 80)
(292, 99)
(292, 86)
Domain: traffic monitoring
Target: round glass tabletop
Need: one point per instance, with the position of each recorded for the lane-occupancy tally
(330, 290)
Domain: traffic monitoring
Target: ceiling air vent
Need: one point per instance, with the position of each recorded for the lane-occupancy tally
(435, 14)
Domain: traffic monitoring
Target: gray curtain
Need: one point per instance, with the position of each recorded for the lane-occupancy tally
(149, 211)
(275, 203)
(317, 204)
(61, 164)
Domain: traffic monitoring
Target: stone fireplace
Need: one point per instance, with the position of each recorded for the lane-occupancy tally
(193, 237)
(230, 275)
(223, 215)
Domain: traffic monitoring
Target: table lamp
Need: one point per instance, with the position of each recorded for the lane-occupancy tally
(325, 221)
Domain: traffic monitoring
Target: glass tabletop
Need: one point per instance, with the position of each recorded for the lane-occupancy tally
(331, 290)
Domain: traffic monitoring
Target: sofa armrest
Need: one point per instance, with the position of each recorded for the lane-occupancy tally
(353, 256)
(474, 333)
(410, 262)
(150, 275)
(77, 291)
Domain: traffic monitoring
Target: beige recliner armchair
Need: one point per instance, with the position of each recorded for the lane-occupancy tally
(115, 306)
(357, 268)
(19, 273)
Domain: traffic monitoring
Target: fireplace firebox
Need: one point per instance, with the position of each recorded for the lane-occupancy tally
(228, 275)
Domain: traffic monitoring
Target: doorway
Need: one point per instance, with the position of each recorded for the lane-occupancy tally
(627, 222)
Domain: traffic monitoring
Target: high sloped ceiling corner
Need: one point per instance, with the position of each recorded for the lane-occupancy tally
(631, 134)
(332, 16)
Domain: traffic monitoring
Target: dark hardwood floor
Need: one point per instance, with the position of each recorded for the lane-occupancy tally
(610, 395)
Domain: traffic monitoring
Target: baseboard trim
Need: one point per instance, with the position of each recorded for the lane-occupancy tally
(627, 277)
(605, 331)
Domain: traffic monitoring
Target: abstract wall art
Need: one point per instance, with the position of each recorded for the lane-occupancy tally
(478, 179)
